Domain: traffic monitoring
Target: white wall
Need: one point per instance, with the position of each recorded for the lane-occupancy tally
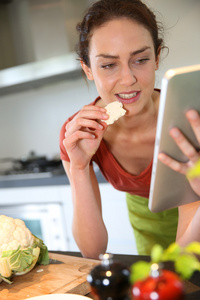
(31, 120)
(181, 19)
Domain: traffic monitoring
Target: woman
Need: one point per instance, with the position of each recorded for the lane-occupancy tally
(119, 48)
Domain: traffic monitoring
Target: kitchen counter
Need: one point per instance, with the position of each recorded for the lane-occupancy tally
(192, 287)
(31, 180)
(39, 179)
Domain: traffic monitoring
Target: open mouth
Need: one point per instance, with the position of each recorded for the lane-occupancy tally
(128, 97)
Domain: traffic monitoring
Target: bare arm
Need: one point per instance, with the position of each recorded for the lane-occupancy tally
(82, 139)
(88, 228)
(189, 224)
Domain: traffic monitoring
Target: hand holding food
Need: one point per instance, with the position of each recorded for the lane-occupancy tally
(20, 250)
(83, 134)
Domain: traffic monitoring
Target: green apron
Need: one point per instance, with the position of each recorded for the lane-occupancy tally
(151, 228)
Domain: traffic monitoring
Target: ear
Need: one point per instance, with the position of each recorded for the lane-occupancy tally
(87, 71)
(158, 59)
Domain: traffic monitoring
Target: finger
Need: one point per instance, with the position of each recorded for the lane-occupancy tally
(93, 112)
(82, 124)
(184, 144)
(93, 107)
(89, 124)
(78, 135)
(173, 164)
(194, 119)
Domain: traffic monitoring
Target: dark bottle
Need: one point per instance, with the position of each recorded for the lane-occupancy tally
(110, 280)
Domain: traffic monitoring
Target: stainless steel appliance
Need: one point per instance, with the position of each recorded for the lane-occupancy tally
(31, 164)
(45, 220)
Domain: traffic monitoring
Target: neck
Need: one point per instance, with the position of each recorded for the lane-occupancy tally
(146, 118)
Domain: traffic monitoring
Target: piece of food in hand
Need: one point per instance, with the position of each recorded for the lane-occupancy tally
(20, 250)
(115, 110)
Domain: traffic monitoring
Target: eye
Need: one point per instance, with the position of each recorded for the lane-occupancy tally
(107, 66)
(141, 61)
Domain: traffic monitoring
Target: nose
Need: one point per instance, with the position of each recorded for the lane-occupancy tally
(128, 76)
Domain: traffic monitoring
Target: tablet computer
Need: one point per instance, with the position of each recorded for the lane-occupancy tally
(180, 91)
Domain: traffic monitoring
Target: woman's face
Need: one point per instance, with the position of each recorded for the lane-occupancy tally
(122, 63)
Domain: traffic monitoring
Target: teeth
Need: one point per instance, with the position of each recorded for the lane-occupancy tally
(127, 96)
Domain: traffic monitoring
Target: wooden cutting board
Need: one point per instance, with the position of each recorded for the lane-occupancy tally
(64, 274)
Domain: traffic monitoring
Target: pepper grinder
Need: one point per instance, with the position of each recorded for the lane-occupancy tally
(110, 280)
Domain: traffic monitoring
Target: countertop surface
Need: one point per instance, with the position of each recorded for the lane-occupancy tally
(39, 179)
(31, 180)
(192, 287)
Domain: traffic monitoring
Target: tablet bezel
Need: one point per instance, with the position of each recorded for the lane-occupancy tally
(180, 91)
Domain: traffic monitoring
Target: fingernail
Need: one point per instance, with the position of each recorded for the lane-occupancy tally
(175, 133)
(161, 156)
(192, 114)
(104, 115)
(100, 126)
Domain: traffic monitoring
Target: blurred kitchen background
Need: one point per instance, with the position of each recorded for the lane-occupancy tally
(41, 85)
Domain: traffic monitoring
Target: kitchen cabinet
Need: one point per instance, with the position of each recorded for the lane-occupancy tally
(115, 215)
(52, 206)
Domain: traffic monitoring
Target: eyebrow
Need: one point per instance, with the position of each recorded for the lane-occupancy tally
(132, 53)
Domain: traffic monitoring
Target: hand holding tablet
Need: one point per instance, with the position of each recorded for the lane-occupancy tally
(178, 136)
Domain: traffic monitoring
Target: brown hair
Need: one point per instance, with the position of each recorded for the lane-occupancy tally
(103, 11)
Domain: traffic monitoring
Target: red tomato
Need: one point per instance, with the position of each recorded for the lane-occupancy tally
(167, 286)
